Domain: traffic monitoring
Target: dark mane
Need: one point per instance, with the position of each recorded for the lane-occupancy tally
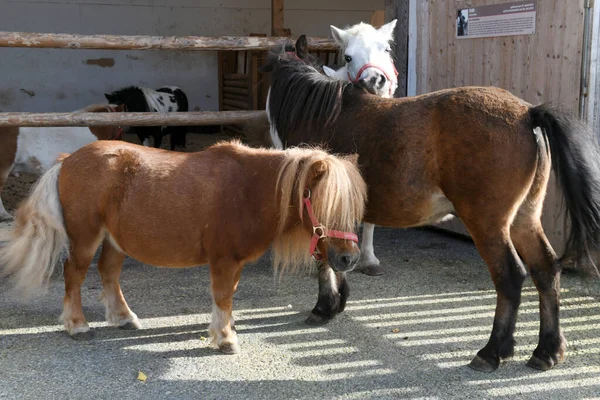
(131, 96)
(300, 96)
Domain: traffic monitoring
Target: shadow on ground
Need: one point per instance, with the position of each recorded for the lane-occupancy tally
(408, 334)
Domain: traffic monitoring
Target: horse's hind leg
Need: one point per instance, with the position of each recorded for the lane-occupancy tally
(224, 277)
(508, 274)
(532, 244)
(75, 270)
(110, 265)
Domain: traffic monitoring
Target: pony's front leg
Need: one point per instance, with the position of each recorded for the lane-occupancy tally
(110, 265)
(333, 293)
(224, 277)
(368, 263)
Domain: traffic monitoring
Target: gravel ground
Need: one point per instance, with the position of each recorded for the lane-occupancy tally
(407, 334)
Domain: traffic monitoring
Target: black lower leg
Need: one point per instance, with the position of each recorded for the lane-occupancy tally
(552, 344)
(508, 281)
(328, 302)
(343, 290)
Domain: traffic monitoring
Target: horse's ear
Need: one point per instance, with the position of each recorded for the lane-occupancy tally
(353, 158)
(339, 35)
(317, 170)
(388, 30)
(330, 72)
(302, 47)
(108, 96)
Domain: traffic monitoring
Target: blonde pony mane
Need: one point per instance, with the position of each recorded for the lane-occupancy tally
(338, 200)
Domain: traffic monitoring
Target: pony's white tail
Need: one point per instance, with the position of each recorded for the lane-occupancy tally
(38, 237)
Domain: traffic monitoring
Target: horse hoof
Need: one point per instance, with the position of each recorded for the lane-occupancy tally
(539, 364)
(83, 336)
(482, 365)
(373, 270)
(130, 325)
(230, 348)
(316, 320)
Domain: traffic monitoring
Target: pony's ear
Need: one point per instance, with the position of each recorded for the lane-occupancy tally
(317, 170)
(330, 72)
(353, 158)
(108, 96)
(339, 35)
(302, 47)
(388, 30)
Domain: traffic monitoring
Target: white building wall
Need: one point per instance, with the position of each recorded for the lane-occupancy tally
(45, 80)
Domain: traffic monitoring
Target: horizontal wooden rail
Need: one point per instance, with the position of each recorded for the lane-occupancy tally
(128, 119)
(122, 42)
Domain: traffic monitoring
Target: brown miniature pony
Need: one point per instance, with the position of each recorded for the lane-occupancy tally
(34, 150)
(477, 152)
(232, 203)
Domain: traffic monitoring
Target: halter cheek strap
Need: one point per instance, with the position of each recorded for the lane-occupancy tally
(369, 65)
(321, 232)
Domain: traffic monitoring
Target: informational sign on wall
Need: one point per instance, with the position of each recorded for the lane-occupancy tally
(516, 18)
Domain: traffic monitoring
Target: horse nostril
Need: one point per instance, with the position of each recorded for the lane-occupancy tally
(346, 260)
(373, 81)
(381, 82)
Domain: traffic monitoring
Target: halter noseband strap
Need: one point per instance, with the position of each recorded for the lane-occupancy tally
(320, 231)
(369, 65)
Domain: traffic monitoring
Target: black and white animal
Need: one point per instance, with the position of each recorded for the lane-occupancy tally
(165, 99)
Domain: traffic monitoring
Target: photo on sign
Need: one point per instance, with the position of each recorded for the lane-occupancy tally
(462, 23)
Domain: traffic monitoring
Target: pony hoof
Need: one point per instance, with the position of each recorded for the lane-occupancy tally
(83, 336)
(316, 320)
(230, 348)
(373, 270)
(539, 364)
(130, 325)
(482, 365)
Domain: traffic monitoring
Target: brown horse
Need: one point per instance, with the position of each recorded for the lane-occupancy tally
(34, 150)
(477, 152)
(232, 203)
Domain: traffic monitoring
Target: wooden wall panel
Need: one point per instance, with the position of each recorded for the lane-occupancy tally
(542, 67)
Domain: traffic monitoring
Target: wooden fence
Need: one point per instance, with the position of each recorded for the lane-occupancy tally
(121, 42)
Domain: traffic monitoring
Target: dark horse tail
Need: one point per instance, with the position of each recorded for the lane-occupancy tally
(575, 154)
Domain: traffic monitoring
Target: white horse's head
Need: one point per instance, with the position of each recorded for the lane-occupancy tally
(368, 57)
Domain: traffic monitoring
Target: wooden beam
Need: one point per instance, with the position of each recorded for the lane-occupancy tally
(377, 18)
(128, 119)
(122, 42)
(277, 18)
(398, 9)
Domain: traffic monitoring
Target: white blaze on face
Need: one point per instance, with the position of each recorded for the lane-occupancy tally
(361, 45)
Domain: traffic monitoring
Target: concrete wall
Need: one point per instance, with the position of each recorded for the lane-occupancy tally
(40, 80)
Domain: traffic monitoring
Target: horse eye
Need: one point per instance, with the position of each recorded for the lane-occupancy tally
(388, 50)
(347, 58)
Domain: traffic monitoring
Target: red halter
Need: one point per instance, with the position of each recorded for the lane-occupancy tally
(369, 65)
(321, 232)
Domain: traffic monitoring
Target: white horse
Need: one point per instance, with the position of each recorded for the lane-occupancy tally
(35, 150)
(368, 59)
